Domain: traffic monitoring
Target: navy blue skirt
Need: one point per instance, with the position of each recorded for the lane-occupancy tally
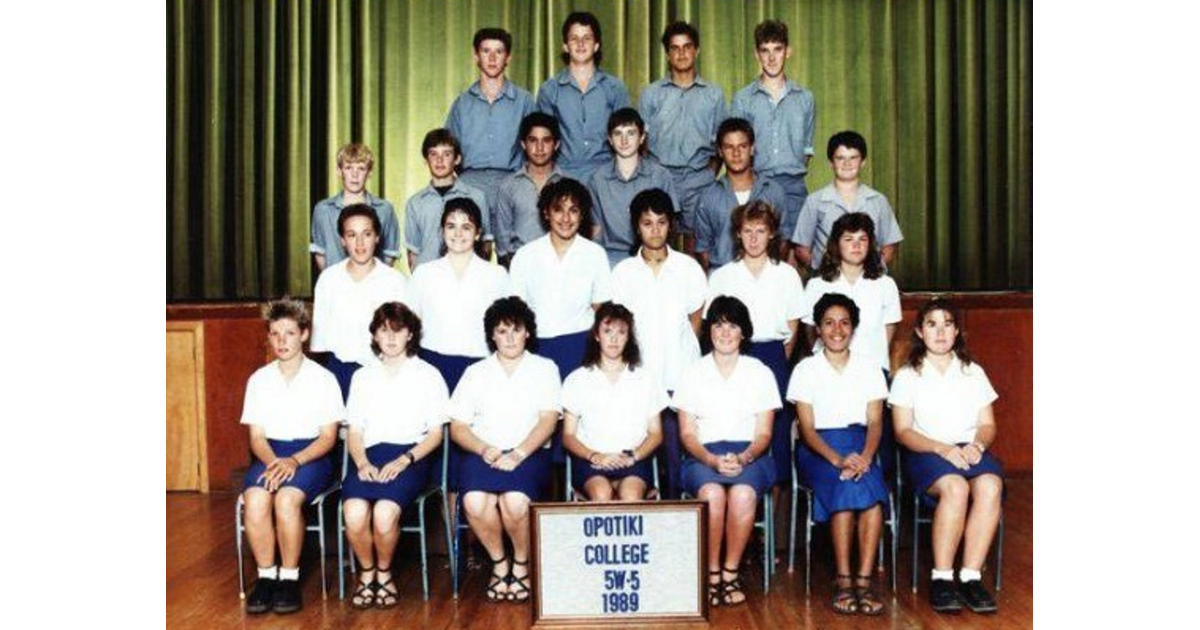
(451, 367)
(581, 471)
(831, 494)
(760, 474)
(772, 355)
(312, 478)
(926, 468)
(567, 353)
(531, 477)
(343, 372)
(401, 490)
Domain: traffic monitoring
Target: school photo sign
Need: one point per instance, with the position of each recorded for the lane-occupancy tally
(597, 563)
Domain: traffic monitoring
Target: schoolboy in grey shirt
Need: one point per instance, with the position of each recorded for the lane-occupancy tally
(517, 220)
(423, 212)
(354, 164)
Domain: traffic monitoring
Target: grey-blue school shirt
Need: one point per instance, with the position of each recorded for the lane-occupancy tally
(682, 122)
(783, 131)
(825, 206)
(582, 118)
(517, 218)
(610, 201)
(423, 218)
(714, 216)
(328, 242)
(487, 131)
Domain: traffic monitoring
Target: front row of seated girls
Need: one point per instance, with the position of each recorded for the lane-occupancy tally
(506, 406)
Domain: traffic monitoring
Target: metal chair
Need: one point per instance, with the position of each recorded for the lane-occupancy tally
(891, 522)
(317, 502)
(916, 541)
(767, 525)
(419, 528)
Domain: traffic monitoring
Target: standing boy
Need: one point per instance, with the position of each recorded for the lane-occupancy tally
(354, 163)
(517, 219)
(847, 152)
(682, 112)
(423, 212)
(485, 118)
(784, 118)
(582, 97)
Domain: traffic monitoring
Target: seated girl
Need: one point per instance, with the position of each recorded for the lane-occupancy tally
(942, 407)
(839, 398)
(396, 411)
(726, 402)
(292, 406)
(611, 408)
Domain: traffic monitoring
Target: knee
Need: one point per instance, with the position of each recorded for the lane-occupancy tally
(256, 504)
(953, 490)
(514, 506)
(714, 495)
(600, 491)
(386, 516)
(987, 490)
(288, 503)
(477, 504)
(354, 511)
(632, 491)
(743, 500)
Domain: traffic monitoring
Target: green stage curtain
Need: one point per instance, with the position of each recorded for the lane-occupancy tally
(261, 94)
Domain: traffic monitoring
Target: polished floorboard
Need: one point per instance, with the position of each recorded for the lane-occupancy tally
(202, 584)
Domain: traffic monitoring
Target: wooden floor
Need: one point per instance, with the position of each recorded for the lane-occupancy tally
(202, 586)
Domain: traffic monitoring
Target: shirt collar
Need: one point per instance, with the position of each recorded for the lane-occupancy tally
(508, 91)
(666, 81)
(788, 86)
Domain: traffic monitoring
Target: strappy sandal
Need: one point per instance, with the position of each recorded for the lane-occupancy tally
(715, 588)
(869, 602)
(364, 596)
(729, 588)
(518, 587)
(845, 598)
(387, 595)
(493, 595)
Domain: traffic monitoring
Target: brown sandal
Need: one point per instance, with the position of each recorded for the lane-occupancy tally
(869, 602)
(845, 598)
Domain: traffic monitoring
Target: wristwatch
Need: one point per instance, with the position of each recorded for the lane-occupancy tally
(630, 453)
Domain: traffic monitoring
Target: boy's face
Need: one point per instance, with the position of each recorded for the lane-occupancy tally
(581, 44)
(354, 176)
(771, 56)
(491, 58)
(360, 239)
(846, 164)
(539, 146)
(625, 140)
(441, 160)
(681, 53)
(737, 152)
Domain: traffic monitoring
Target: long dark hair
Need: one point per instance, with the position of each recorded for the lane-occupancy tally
(468, 207)
(917, 349)
(831, 262)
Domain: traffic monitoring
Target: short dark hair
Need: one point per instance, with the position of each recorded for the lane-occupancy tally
(287, 307)
(586, 19)
(756, 210)
(359, 210)
(396, 317)
(770, 31)
(731, 125)
(610, 312)
(848, 139)
(539, 119)
(468, 207)
(514, 311)
(625, 116)
(486, 33)
(679, 27)
(726, 308)
(560, 189)
(438, 137)
(830, 300)
(831, 261)
(654, 200)
(917, 349)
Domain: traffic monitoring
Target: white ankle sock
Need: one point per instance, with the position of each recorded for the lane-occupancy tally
(967, 575)
(947, 574)
(267, 573)
(289, 574)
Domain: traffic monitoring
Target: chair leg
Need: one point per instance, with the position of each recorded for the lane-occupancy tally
(424, 550)
(894, 526)
(341, 563)
(808, 525)
(768, 560)
(237, 529)
(321, 544)
(999, 550)
(449, 536)
(792, 530)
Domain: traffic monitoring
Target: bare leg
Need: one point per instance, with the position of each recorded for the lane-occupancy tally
(289, 525)
(982, 520)
(514, 512)
(483, 514)
(598, 489)
(739, 525)
(841, 530)
(260, 526)
(632, 488)
(870, 525)
(387, 534)
(952, 493)
(357, 513)
(714, 495)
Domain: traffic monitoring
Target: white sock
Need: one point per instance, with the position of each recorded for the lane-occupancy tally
(267, 573)
(289, 574)
(967, 575)
(946, 574)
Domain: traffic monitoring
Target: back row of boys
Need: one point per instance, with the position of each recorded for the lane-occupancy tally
(507, 147)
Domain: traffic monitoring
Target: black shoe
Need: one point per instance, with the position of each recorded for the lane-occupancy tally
(977, 597)
(287, 597)
(262, 596)
(943, 597)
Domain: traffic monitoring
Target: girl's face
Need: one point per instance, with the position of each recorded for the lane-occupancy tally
(653, 229)
(460, 233)
(836, 329)
(625, 140)
(510, 339)
(938, 331)
(853, 247)
(286, 339)
(755, 237)
(564, 217)
(392, 343)
(726, 337)
(360, 239)
(612, 336)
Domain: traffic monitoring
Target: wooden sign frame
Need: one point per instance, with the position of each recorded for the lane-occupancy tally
(697, 510)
